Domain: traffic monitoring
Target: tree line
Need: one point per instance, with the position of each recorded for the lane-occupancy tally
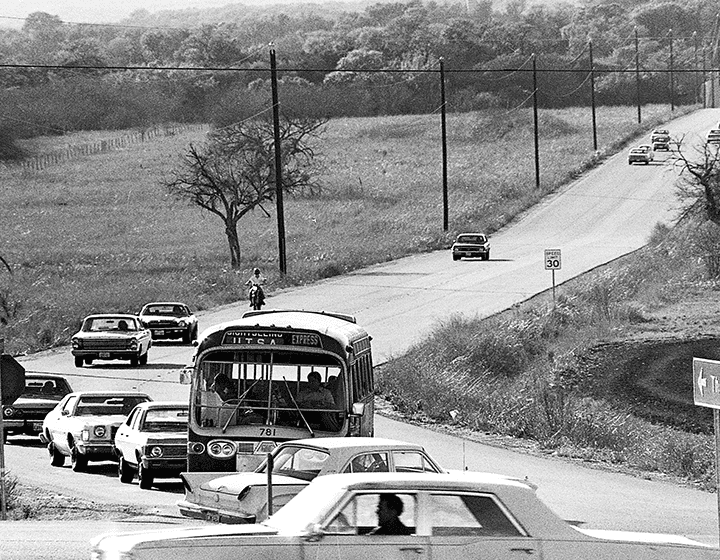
(212, 65)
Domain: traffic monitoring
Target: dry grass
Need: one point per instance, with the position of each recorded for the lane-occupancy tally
(101, 234)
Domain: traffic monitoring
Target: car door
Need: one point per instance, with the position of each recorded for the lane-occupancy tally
(475, 525)
(347, 534)
(127, 434)
(60, 421)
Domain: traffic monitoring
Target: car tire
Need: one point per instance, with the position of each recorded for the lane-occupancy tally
(79, 361)
(145, 477)
(486, 256)
(57, 459)
(143, 360)
(88, 361)
(456, 258)
(78, 461)
(125, 471)
(187, 337)
(194, 334)
(134, 361)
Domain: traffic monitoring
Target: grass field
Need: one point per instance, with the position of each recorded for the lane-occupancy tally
(100, 234)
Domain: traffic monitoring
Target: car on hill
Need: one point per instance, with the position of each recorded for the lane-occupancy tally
(242, 497)
(713, 136)
(152, 442)
(111, 337)
(471, 245)
(42, 393)
(641, 154)
(432, 516)
(660, 140)
(83, 424)
(169, 319)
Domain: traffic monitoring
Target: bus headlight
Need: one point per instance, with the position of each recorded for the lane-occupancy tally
(221, 449)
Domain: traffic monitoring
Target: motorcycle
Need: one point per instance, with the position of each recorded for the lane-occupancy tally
(257, 298)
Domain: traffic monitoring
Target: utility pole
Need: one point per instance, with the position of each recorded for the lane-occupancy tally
(443, 121)
(637, 76)
(672, 77)
(535, 122)
(278, 164)
(592, 95)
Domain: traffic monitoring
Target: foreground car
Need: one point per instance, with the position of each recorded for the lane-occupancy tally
(111, 337)
(82, 426)
(471, 245)
(42, 393)
(170, 320)
(242, 497)
(448, 516)
(152, 442)
(641, 154)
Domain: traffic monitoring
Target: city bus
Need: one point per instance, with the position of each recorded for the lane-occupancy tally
(274, 376)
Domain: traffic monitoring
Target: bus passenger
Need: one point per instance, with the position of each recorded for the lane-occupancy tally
(315, 395)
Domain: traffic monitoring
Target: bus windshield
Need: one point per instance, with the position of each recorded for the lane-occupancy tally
(272, 388)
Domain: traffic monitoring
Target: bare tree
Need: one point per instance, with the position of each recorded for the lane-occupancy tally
(234, 171)
(699, 184)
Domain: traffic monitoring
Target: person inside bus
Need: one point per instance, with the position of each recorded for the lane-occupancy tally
(314, 395)
(223, 387)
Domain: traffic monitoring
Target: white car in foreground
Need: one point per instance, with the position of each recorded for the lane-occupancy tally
(447, 516)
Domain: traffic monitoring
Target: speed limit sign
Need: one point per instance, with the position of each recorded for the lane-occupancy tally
(553, 259)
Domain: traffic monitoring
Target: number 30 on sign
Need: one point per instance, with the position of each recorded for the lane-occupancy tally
(553, 260)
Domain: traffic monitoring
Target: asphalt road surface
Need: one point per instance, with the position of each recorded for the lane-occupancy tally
(609, 212)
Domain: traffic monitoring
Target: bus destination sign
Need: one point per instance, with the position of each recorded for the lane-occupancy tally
(271, 338)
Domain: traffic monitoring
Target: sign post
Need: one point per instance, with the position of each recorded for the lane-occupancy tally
(553, 261)
(3, 492)
(706, 392)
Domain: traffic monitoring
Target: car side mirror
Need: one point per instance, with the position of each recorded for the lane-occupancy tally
(64, 413)
(314, 532)
(184, 377)
(358, 409)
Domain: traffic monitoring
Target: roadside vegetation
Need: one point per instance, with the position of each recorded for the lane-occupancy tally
(537, 371)
(100, 233)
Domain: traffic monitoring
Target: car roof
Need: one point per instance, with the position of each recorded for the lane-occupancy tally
(30, 375)
(165, 303)
(358, 442)
(164, 404)
(108, 394)
(454, 479)
(109, 315)
(470, 233)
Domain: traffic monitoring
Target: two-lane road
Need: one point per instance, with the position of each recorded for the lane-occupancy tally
(609, 212)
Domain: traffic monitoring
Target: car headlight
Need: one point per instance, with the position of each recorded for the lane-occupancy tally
(8, 412)
(221, 449)
(156, 451)
(182, 323)
(133, 344)
(99, 431)
(76, 343)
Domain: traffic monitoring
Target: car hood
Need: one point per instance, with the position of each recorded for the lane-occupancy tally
(630, 536)
(169, 537)
(234, 484)
(36, 402)
(107, 335)
(166, 437)
(151, 318)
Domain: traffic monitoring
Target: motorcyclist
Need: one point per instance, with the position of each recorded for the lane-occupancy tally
(257, 279)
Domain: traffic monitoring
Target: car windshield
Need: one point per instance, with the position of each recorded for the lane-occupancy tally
(471, 239)
(173, 310)
(109, 324)
(298, 462)
(101, 405)
(46, 388)
(166, 420)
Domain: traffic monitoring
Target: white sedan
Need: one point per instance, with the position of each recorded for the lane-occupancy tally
(242, 497)
(83, 425)
(437, 517)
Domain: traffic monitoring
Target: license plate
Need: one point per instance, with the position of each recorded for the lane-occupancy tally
(104, 354)
(160, 333)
